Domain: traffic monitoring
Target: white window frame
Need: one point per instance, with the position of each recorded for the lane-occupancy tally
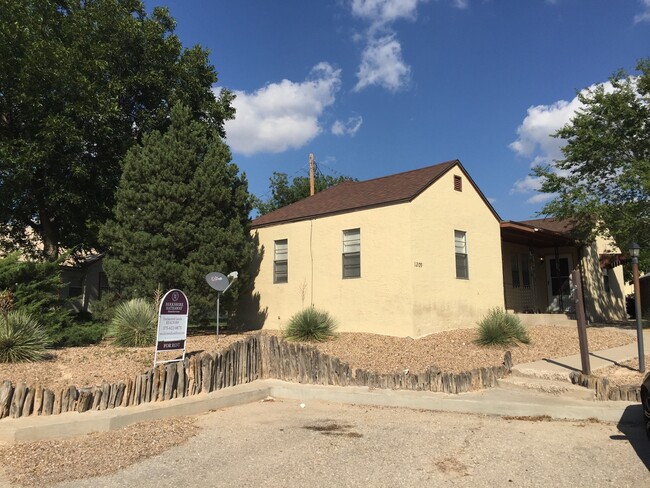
(461, 254)
(281, 261)
(351, 254)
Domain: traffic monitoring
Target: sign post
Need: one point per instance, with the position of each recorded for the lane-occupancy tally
(220, 282)
(172, 324)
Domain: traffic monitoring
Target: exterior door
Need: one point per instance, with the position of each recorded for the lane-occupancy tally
(558, 272)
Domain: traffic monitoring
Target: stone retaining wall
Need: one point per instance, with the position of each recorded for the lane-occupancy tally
(605, 391)
(258, 357)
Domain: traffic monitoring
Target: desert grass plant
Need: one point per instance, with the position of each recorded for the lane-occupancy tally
(310, 324)
(501, 328)
(22, 338)
(134, 324)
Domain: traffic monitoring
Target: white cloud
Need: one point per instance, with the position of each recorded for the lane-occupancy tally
(645, 15)
(535, 142)
(382, 65)
(350, 127)
(284, 115)
(461, 4)
(528, 184)
(380, 12)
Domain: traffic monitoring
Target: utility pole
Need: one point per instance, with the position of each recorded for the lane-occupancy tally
(311, 175)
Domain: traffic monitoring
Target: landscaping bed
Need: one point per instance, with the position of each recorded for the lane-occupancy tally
(449, 351)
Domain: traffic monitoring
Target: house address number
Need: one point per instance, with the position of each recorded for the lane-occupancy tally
(418, 264)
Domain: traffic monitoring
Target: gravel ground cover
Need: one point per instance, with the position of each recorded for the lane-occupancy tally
(44, 463)
(452, 351)
(277, 443)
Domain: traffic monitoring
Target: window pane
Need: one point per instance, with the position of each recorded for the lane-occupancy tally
(351, 240)
(514, 268)
(280, 272)
(525, 270)
(280, 261)
(461, 266)
(281, 250)
(352, 265)
(461, 241)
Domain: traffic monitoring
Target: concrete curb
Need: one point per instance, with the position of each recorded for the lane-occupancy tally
(494, 401)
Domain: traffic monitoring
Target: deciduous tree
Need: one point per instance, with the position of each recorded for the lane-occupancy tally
(603, 182)
(284, 193)
(81, 81)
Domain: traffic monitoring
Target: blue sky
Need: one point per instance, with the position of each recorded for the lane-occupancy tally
(376, 87)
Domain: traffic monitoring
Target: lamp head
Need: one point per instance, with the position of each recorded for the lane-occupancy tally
(635, 249)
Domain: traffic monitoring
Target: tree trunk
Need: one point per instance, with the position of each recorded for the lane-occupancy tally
(48, 234)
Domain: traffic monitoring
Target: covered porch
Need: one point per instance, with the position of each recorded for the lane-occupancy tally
(537, 266)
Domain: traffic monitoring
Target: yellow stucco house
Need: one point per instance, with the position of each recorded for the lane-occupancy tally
(407, 255)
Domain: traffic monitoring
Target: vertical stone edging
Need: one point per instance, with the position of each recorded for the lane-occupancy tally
(605, 391)
(261, 356)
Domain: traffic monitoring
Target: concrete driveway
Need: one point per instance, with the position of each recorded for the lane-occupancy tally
(327, 444)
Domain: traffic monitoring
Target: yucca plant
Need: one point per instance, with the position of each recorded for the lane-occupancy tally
(134, 324)
(501, 328)
(310, 324)
(22, 338)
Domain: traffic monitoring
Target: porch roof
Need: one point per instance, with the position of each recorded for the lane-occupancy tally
(531, 235)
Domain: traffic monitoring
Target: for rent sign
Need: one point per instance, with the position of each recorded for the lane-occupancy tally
(172, 321)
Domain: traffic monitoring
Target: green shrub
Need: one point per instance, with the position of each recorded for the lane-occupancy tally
(22, 338)
(35, 287)
(310, 324)
(80, 334)
(134, 324)
(102, 310)
(501, 328)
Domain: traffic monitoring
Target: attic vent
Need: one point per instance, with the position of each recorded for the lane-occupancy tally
(458, 183)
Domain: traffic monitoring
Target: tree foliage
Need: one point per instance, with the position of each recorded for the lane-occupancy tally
(603, 182)
(284, 193)
(81, 81)
(182, 211)
(35, 288)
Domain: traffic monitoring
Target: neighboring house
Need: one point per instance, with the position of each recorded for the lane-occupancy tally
(406, 254)
(83, 282)
(538, 258)
(420, 252)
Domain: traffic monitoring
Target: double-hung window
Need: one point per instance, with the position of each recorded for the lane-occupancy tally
(462, 270)
(352, 253)
(280, 261)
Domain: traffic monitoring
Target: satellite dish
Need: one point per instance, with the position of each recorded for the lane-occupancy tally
(218, 281)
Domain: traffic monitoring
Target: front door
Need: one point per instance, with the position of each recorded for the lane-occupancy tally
(558, 271)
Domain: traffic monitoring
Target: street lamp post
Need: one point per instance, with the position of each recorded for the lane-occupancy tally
(634, 252)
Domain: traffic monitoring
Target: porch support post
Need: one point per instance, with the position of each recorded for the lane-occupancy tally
(582, 321)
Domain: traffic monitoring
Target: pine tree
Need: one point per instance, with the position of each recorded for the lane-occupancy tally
(182, 211)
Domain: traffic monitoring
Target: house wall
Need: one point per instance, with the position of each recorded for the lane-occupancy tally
(379, 301)
(408, 284)
(440, 300)
(602, 305)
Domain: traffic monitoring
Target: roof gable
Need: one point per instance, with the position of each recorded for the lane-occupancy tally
(351, 196)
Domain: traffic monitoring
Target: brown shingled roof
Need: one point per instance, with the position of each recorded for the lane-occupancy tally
(358, 195)
(565, 226)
